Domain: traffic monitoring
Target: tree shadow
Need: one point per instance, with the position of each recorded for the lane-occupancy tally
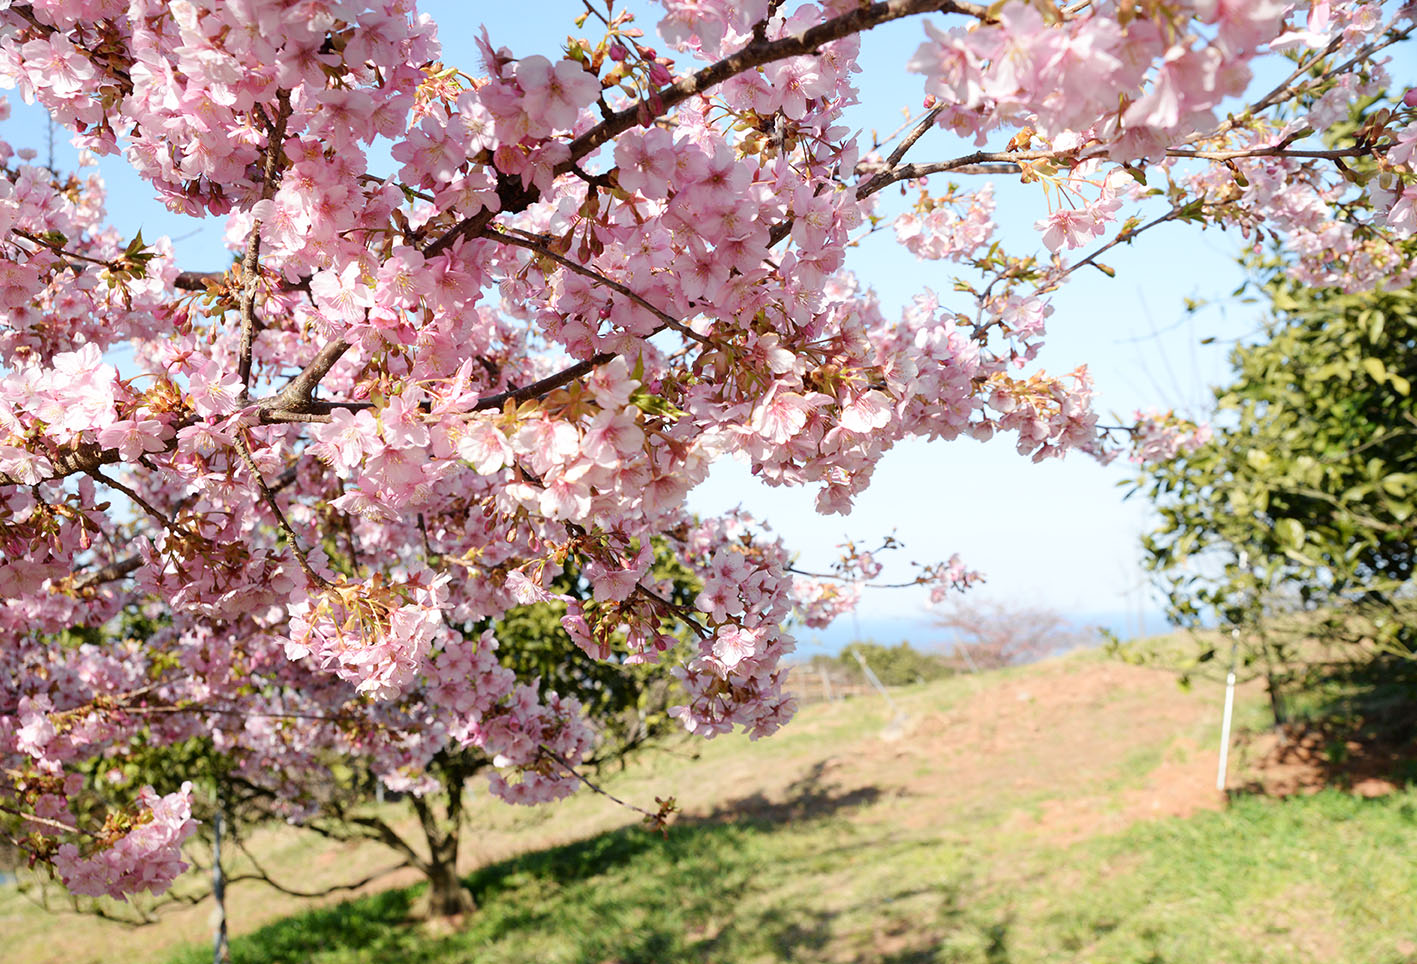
(1359, 733)
(704, 892)
(809, 797)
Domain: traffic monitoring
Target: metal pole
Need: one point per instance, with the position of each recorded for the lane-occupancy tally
(220, 952)
(1229, 712)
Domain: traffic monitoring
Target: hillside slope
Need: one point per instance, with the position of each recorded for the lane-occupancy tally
(1032, 815)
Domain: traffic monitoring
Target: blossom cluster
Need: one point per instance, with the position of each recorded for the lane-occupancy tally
(147, 857)
(1161, 436)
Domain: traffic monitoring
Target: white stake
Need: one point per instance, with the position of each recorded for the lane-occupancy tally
(221, 954)
(1229, 711)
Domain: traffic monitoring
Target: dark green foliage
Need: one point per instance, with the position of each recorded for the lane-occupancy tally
(1296, 523)
(1313, 468)
(899, 665)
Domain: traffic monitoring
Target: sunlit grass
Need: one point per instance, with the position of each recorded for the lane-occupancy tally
(1324, 879)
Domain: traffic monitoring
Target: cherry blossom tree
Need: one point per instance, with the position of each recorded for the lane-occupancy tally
(337, 791)
(418, 394)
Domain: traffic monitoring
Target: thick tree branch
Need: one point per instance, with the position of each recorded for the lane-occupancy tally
(1273, 151)
(195, 280)
(109, 573)
(760, 51)
(546, 385)
(376, 829)
(297, 397)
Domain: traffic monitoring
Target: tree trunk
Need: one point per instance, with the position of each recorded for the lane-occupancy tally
(1276, 702)
(446, 896)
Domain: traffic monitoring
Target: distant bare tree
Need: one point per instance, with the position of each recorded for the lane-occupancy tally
(992, 635)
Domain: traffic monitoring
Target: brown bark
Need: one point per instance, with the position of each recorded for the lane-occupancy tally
(446, 896)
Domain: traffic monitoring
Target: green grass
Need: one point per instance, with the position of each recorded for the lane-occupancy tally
(1326, 878)
(707, 892)
(1320, 878)
(998, 830)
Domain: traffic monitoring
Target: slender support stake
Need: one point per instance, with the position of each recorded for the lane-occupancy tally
(1229, 712)
(221, 954)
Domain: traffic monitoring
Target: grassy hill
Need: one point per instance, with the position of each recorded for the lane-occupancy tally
(1060, 812)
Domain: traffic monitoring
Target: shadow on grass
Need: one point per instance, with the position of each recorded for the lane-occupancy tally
(1356, 729)
(807, 798)
(740, 884)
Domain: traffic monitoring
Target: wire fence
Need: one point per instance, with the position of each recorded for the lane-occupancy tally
(814, 683)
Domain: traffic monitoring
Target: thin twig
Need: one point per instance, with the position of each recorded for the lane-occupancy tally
(269, 498)
(531, 242)
(47, 822)
(559, 759)
(1122, 238)
(682, 613)
(146, 506)
(264, 876)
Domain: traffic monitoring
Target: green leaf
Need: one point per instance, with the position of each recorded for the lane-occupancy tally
(1290, 533)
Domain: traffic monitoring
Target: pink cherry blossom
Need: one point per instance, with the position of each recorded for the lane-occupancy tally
(420, 394)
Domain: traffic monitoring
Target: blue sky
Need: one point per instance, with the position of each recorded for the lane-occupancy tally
(1056, 534)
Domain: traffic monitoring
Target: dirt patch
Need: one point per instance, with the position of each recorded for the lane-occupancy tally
(1182, 785)
(1302, 760)
(1066, 750)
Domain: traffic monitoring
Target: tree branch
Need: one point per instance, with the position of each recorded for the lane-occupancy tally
(251, 262)
(655, 820)
(264, 876)
(1122, 238)
(110, 572)
(761, 52)
(546, 385)
(244, 449)
(758, 52)
(138, 500)
(531, 242)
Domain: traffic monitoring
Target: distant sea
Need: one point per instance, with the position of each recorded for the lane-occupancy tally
(920, 633)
